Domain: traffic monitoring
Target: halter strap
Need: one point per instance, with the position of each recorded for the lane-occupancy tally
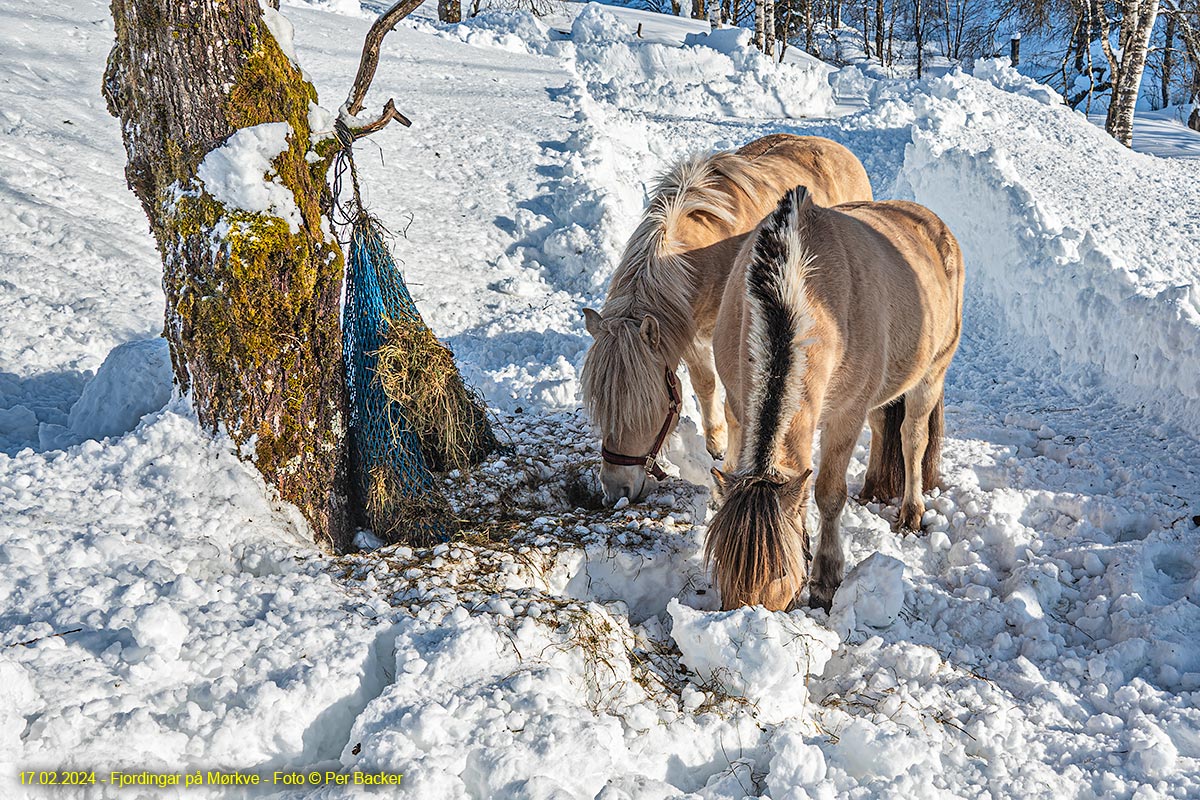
(649, 462)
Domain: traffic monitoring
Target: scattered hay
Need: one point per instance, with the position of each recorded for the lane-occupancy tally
(418, 372)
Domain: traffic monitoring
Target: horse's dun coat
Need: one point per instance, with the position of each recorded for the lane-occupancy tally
(829, 316)
(663, 299)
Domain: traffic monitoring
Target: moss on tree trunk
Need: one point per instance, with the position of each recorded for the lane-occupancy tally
(252, 308)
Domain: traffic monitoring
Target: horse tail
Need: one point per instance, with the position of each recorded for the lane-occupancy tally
(752, 543)
(890, 480)
(780, 328)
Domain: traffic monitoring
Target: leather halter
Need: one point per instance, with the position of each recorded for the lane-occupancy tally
(649, 462)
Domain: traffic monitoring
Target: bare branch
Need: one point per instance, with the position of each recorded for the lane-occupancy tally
(366, 71)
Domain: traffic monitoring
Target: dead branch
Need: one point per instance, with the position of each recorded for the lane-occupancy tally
(366, 72)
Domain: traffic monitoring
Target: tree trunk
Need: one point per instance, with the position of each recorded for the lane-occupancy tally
(879, 30)
(1137, 25)
(449, 10)
(698, 9)
(866, 22)
(808, 26)
(1168, 60)
(760, 27)
(253, 299)
(919, 36)
(769, 28)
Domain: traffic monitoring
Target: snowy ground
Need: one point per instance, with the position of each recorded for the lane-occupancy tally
(158, 611)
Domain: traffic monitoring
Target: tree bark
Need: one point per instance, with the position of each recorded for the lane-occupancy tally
(1137, 25)
(879, 30)
(760, 27)
(1168, 60)
(769, 28)
(449, 10)
(919, 36)
(252, 313)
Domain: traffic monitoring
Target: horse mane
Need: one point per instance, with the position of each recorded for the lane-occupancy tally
(780, 327)
(655, 278)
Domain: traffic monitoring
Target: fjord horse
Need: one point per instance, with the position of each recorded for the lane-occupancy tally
(663, 298)
(831, 317)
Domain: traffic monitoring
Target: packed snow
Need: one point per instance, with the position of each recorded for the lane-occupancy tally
(159, 610)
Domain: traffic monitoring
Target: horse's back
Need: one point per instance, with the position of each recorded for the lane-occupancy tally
(911, 229)
(830, 172)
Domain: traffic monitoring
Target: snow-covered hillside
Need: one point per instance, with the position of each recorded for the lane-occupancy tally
(159, 611)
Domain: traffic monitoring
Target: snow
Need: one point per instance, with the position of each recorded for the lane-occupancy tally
(240, 175)
(159, 609)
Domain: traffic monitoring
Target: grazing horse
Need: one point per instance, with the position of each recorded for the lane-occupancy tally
(663, 299)
(831, 317)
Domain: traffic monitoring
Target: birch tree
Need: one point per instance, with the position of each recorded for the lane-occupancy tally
(1127, 62)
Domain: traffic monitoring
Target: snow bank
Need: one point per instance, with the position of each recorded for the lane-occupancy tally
(1067, 238)
(717, 73)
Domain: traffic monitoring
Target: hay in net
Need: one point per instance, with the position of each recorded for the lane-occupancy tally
(418, 373)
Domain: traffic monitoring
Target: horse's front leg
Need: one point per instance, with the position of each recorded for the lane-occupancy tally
(703, 372)
(837, 445)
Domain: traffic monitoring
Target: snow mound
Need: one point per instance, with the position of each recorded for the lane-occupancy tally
(135, 380)
(512, 30)
(1102, 274)
(871, 595)
(713, 74)
(1001, 74)
(763, 656)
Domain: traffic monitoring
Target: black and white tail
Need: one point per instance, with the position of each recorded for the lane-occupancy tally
(780, 327)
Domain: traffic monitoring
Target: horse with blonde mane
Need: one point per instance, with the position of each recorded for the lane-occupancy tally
(831, 317)
(663, 299)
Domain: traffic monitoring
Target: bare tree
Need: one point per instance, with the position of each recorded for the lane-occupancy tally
(1136, 26)
(253, 299)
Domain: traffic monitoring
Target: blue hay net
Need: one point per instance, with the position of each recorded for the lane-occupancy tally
(379, 435)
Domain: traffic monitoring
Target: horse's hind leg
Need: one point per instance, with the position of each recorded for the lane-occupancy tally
(703, 373)
(874, 478)
(837, 445)
(920, 402)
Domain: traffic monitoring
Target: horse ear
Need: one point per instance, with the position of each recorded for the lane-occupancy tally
(649, 332)
(719, 481)
(591, 319)
(794, 489)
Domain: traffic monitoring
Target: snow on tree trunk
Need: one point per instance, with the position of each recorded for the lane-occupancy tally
(1137, 25)
(252, 277)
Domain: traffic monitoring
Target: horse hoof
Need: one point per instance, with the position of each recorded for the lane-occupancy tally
(717, 455)
(821, 598)
(910, 518)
